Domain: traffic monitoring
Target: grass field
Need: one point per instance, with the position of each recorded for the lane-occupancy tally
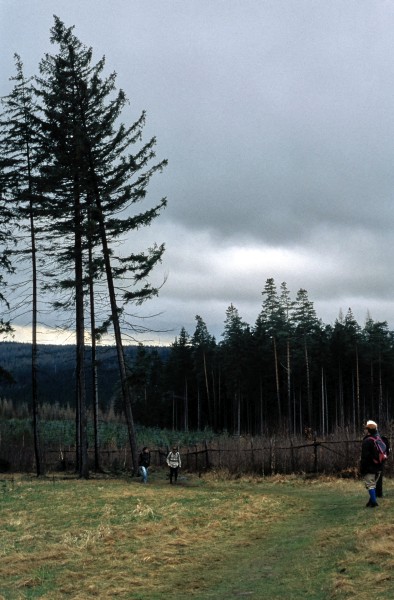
(205, 538)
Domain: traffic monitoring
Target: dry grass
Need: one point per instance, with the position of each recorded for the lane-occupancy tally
(368, 569)
(120, 539)
(111, 537)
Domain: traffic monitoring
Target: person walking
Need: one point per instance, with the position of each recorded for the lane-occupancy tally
(174, 462)
(369, 469)
(144, 463)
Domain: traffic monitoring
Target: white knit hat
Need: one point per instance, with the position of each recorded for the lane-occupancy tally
(371, 425)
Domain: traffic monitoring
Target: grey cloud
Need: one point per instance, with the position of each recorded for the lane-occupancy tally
(277, 121)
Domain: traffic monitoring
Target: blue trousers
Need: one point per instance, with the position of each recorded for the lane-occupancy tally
(144, 473)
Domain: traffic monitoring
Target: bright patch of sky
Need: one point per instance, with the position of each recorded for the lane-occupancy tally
(277, 119)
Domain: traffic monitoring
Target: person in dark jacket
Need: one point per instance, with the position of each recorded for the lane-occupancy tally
(379, 483)
(369, 470)
(144, 462)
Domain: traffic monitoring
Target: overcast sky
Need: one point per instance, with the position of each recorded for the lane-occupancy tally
(277, 119)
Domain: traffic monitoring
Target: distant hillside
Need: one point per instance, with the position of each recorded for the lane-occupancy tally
(56, 372)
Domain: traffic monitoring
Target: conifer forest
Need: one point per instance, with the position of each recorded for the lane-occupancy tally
(73, 187)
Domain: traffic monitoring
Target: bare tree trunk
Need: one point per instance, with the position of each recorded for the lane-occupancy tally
(238, 400)
(173, 411)
(207, 389)
(80, 338)
(308, 383)
(95, 396)
(198, 410)
(186, 409)
(289, 385)
(115, 311)
(34, 347)
(261, 408)
(323, 416)
(215, 408)
(358, 416)
(126, 393)
(277, 384)
(380, 410)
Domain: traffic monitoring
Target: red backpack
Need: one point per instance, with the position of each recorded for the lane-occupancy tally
(380, 454)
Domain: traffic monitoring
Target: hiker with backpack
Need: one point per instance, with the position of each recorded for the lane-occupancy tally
(174, 462)
(373, 455)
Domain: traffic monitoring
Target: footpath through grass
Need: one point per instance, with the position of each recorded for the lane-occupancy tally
(209, 538)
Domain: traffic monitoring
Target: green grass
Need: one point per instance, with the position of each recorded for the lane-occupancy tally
(206, 538)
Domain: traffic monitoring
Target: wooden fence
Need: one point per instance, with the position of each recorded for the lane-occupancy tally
(261, 456)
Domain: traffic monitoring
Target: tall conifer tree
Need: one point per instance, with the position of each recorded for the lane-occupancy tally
(21, 158)
(93, 183)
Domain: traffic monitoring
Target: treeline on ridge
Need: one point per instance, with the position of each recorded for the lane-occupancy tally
(287, 372)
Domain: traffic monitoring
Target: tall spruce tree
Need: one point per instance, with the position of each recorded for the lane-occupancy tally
(203, 347)
(93, 183)
(271, 331)
(306, 325)
(179, 376)
(236, 341)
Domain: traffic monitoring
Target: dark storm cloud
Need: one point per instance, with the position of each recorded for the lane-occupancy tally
(277, 119)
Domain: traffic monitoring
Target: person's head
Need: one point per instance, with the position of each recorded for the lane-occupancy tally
(371, 427)
(174, 449)
(145, 449)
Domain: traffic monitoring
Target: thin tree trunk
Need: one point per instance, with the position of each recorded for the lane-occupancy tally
(238, 400)
(80, 338)
(289, 385)
(207, 389)
(323, 419)
(95, 396)
(358, 417)
(308, 384)
(261, 408)
(215, 408)
(186, 408)
(277, 384)
(126, 393)
(198, 409)
(34, 347)
(380, 409)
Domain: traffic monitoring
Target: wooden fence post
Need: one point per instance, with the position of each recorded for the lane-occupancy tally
(206, 455)
(196, 458)
(272, 455)
(292, 456)
(315, 444)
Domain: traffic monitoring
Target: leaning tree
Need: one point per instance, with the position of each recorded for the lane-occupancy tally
(98, 171)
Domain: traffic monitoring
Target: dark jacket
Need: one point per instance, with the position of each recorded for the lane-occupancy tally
(144, 460)
(367, 464)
